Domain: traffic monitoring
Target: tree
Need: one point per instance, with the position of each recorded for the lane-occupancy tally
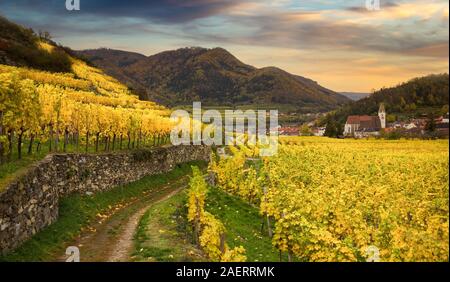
(28, 113)
(19, 110)
(331, 129)
(444, 109)
(45, 35)
(46, 107)
(411, 107)
(402, 103)
(305, 130)
(8, 106)
(430, 126)
(196, 200)
(391, 118)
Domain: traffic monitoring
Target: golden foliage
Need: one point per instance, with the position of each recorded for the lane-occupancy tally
(210, 230)
(87, 102)
(332, 199)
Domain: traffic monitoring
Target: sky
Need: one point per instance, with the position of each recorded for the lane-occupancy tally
(341, 44)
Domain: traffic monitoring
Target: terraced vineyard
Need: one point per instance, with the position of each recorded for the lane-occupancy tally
(335, 200)
(84, 107)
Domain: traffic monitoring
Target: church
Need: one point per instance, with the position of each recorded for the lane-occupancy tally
(365, 126)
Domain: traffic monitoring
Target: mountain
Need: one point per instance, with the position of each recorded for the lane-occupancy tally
(355, 96)
(416, 97)
(212, 76)
(114, 63)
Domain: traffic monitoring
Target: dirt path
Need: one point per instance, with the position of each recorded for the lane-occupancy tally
(111, 239)
(124, 244)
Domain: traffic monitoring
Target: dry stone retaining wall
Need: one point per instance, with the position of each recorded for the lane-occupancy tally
(31, 202)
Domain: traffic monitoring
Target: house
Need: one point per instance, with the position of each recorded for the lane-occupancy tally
(363, 126)
(410, 125)
(395, 125)
(442, 127)
(289, 131)
(445, 118)
(366, 132)
(318, 131)
(420, 122)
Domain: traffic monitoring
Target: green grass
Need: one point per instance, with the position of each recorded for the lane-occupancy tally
(243, 225)
(76, 212)
(11, 170)
(162, 233)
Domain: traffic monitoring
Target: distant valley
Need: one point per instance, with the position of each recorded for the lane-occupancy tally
(355, 96)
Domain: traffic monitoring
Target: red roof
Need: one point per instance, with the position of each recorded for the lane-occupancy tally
(365, 122)
(358, 119)
(289, 129)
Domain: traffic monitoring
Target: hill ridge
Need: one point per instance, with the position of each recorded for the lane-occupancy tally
(419, 96)
(213, 76)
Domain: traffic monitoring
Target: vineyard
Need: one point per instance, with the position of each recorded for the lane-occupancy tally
(82, 109)
(338, 200)
(209, 232)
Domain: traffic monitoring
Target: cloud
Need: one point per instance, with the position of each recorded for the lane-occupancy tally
(402, 28)
(384, 4)
(333, 38)
(164, 11)
(167, 11)
(414, 28)
(438, 50)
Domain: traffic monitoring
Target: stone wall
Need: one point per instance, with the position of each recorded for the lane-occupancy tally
(31, 202)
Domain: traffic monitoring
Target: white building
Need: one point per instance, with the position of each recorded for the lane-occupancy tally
(355, 125)
(319, 131)
(445, 118)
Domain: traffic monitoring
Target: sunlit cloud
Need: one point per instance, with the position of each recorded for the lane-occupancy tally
(339, 43)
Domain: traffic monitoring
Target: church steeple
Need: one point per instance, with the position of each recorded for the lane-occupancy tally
(382, 115)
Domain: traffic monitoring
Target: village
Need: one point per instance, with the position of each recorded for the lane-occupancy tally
(365, 126)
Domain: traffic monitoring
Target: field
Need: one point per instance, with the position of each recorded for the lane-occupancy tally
(83, 111)
(348, 200)
(318, 199)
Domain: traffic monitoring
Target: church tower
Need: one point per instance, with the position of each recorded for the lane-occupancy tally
(382, 115)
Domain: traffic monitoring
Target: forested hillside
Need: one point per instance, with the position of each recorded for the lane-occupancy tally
(20, 46)
(214, 77)
(419, 96)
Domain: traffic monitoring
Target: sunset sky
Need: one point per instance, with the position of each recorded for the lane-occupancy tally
(340, 44)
